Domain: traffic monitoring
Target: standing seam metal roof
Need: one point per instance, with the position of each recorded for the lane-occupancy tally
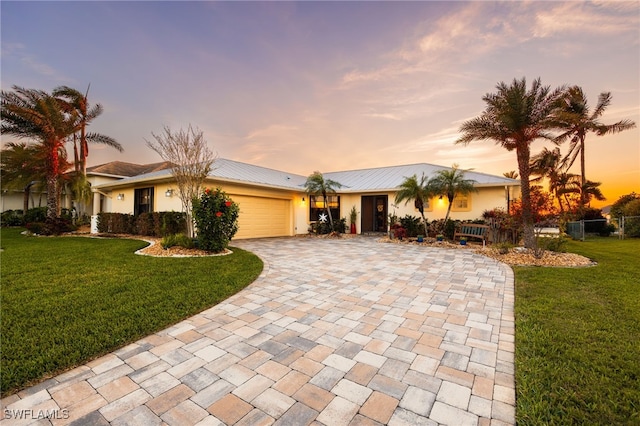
(363, 180)
(389, 178)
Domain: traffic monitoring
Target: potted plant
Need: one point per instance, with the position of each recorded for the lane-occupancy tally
(439, 237)
(353, 217)
(463, 241)
(420, 238)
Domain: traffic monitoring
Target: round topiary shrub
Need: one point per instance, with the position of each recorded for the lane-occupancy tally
(216, 217)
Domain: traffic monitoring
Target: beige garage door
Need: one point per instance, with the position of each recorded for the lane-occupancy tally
(263, 217)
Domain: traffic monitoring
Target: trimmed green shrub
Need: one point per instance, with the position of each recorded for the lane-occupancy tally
(116, 223)
(412, 225)
(180, 240)
(340, 226)
(216, 217)
(556, 244)
(38, 228)
(36, 214)
(58, 225)
(156, 224)
(172, 223)
(12, 218)
(145, 224)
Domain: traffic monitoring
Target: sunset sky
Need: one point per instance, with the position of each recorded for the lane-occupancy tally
(304, 86)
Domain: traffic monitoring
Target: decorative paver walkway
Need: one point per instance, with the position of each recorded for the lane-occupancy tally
(333, 332)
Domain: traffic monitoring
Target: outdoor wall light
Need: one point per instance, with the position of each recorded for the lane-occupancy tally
(168, 193)
(120, 197)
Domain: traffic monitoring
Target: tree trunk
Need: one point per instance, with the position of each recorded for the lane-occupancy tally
(53, 205)
(523, 154)
(52, 196)
(446, 217)
(559, 198)
(76, 159)
(326, 206)
(25, 201)
(583, 177)
(424, 223)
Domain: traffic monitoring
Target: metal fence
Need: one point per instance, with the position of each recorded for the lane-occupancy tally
(627, 226)
(623, 226)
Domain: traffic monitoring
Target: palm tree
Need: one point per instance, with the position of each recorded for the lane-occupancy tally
(549, 164)
(35, 114)
(419, 192)
(515, 117)
(316, 184)
(591, 190)
(566, 184)
(77, 105)
(576, 119)
(451, 183)
(21, 168)
(511, 174)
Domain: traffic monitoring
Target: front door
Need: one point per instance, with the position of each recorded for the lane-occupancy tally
(374, 213)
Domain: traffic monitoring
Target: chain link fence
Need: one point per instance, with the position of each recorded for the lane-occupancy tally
(623, 227)
(627, 226)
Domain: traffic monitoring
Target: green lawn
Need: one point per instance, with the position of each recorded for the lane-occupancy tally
(578, 338)
(66, 300)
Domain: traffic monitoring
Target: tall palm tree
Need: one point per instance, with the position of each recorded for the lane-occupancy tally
(515, 117)
(418, 191)
(35, 114)
(451, 183)
(77, 105)
(316, 184)
(576, 119)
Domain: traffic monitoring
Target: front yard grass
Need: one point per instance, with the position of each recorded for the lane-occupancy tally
(66, 300)
(578, 338)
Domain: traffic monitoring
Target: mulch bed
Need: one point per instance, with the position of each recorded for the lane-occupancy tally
(518, 256)
(515, 257)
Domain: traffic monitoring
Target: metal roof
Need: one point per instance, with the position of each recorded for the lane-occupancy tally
(236, 171)
(389, 178)
(121, 168)
(230, 171)
(363, 180)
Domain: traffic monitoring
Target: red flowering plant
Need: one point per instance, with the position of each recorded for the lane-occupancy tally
(216, 217)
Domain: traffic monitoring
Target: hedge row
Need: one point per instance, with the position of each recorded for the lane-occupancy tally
(156, 224)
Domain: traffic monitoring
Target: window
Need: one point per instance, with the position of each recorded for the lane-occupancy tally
(143, 202)
(426, 205)
(317, 207)
(461, 203)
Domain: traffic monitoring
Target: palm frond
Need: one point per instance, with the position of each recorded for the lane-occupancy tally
(104, 140)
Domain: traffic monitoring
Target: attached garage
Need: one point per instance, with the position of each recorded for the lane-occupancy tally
(263, 217)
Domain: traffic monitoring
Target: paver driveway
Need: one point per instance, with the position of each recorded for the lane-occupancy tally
(334, 332)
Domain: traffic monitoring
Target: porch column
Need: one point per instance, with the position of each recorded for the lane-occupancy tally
(96, 203)
(96, 210)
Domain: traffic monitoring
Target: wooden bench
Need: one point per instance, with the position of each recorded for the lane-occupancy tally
(472, 230)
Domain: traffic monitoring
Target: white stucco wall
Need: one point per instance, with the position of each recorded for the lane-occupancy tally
(485, 199)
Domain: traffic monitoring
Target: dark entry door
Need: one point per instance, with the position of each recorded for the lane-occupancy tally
(374, 213)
